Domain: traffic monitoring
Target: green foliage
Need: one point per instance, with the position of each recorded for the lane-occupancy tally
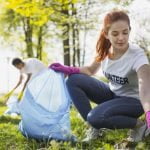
(34, 9)
(39, 12)
(122, 2)
(28, 16)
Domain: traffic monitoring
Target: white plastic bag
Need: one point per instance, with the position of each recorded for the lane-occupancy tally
(45, 108)
(13, 106)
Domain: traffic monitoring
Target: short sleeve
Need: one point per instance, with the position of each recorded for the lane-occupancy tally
(32, 65)
(139, 60)
(29, 66)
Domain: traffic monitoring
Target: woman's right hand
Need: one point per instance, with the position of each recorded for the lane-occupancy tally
(64, 69)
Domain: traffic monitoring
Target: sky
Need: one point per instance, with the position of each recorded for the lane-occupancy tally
(9, 75)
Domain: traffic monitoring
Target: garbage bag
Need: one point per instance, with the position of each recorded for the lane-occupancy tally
(13, 106)
(45, 108)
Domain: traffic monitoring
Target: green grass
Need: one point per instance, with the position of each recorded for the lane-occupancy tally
(12, 139)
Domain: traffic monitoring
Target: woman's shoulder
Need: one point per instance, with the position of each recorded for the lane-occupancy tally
(135, 51)
(134, 48)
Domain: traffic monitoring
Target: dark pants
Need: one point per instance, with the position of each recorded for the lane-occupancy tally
(112, 111)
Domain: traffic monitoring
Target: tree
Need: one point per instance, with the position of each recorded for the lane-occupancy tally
(31, 15)
(71, 23)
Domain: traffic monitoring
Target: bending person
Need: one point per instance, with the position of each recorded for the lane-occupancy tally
(29, 67)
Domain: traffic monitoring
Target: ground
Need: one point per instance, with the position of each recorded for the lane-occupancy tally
(12, 139)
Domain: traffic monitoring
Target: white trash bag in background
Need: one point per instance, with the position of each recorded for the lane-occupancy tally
(13, 106)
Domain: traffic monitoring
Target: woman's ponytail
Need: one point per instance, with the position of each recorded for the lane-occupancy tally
(102, 47)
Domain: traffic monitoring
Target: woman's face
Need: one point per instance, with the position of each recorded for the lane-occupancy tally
(118, 35)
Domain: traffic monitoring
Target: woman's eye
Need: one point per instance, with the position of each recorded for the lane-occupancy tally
(114, 34)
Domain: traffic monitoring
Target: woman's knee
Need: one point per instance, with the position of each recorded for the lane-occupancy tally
(96, 121)
(73, 80)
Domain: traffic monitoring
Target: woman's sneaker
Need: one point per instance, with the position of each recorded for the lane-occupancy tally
(147, 132)
(93, 134)
(137, 134)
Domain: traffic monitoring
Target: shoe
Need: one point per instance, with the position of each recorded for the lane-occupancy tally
(137, 134)
(92, 134)
(147, 132)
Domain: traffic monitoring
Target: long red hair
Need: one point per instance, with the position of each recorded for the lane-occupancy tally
(103, 45)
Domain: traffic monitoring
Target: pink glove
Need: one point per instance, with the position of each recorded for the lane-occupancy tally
(148, 119)
(65, 69)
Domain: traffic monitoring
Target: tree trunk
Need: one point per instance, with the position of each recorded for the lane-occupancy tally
(66, 41)
(75, 37)
(28, 36)
(39, 44)
(73, 45)
(66, 46)
(78, 46)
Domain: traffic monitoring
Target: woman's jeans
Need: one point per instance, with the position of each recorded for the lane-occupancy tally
(112, 111)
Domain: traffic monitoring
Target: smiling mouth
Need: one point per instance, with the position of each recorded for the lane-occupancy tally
(120, 43)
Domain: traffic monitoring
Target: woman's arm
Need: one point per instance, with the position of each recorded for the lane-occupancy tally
(68, 70)
(91, 69)
(144, 86)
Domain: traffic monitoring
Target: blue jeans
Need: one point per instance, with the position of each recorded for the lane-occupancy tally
(113, 112)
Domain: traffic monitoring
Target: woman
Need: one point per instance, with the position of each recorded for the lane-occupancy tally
(126, 66)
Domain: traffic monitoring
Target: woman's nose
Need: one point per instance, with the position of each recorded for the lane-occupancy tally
(120, 37)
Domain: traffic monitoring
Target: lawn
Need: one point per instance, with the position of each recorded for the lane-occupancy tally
(12, 139)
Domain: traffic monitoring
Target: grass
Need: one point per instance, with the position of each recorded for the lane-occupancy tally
(12, 139)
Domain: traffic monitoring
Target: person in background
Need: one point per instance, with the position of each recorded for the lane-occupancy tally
(30, 67)
(121, 102)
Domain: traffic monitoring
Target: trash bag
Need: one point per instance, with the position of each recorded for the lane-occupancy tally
(45, 108)
(13, 106)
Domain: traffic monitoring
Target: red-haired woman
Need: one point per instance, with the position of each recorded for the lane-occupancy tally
(127, 96)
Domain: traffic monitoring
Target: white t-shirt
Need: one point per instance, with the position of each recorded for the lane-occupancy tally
(122, 73)
(32, 66)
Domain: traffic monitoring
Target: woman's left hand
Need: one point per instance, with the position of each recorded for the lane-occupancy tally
(148, 119)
